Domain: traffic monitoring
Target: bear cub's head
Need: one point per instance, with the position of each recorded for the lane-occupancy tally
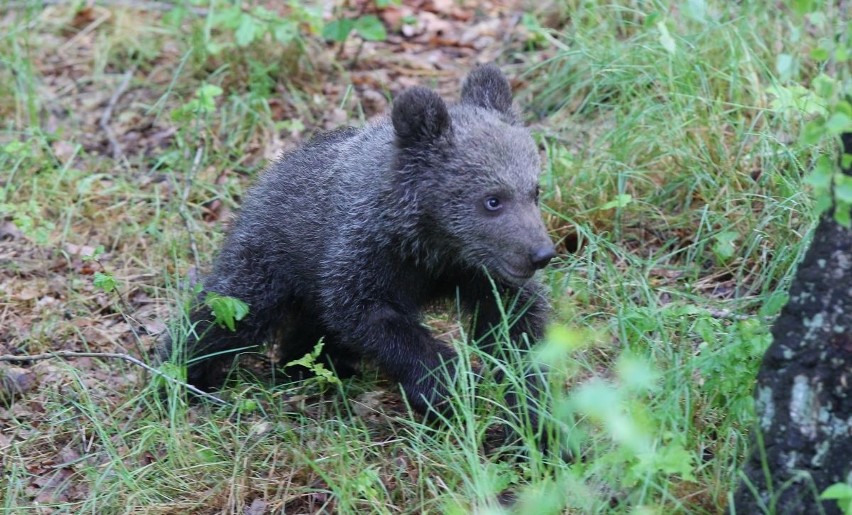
(472, 169)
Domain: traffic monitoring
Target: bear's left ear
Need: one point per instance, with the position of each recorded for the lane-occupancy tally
(419, 117)
(487, 87)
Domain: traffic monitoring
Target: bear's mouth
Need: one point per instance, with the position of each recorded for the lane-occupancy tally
(514, 273)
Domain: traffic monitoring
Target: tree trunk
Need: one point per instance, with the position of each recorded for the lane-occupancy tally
(803, 442)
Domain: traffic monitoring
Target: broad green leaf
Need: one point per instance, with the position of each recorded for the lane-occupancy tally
(207, 455)
(774, 304)
(337, 30)
(666, 39)
(674, 459)
(15, 148)
(802, 7)
(651, 19)
(839, 123)
(621, 200)
(784, 66)
(226, 310)
(843, 188)
(823, 203)
(247, 406)
(636, 373)
(820, 54)
(795, 98)
(724, 246)
(310, 362)
(175, 16)
(248, 30)
(106, 282)
(696, 9)
(821, 175)
(370, 28)
(843, 214)
(285, 32)
(842, 493)
(95, 254)
(824, 86)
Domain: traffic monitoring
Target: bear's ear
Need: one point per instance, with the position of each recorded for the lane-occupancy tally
(419, 116)
(487, 87)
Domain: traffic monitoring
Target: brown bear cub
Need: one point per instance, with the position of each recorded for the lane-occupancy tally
(349, 237)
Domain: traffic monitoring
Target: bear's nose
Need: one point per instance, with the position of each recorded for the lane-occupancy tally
(542, 256)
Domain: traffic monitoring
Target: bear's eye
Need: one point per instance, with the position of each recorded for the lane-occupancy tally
(493, 203)
(537, 193)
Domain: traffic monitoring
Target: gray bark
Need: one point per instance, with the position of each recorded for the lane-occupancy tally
(803, 442)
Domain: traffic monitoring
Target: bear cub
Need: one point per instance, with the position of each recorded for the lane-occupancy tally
(349, 237)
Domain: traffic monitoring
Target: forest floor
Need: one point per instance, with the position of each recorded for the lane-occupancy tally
(131, 130)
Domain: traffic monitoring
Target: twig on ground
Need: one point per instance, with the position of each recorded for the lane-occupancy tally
(117, 152)
(112, 355)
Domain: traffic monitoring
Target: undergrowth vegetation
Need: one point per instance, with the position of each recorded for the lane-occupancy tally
(673, 183)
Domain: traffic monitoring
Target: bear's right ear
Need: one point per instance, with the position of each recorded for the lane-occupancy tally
(487, 87)
(419, 117)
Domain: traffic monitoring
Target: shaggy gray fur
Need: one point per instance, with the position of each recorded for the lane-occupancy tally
(350, 236)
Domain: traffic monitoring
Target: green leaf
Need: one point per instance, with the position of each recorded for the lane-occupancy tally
(839, 123)
(175, 16)
(207, 455)
(665, 38)
(651, 19)
(621, 200)
(802, 7)
(94, 255)
(824, 86)
(820, 54)
(724, 247)
(823, 203)
(636, 374)
(842, 493)
(843, 214)
(784, 64)
(774, 304)
(337, 30)
(370, 27)
(248, 30)
(813, 132)
(795, 98)
(843, 188)
(696, 9)
(206, 98)
(106, 282)
(821, 175)
(837, 491)
(246, 406)
(229, 18)
(674, 459)
(285, 32)
(310, 362)
(15, 148)
(226, 310)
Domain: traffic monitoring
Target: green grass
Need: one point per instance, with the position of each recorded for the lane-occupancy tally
(671, 183)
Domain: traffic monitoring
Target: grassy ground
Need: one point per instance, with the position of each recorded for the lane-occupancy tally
(672, 181)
